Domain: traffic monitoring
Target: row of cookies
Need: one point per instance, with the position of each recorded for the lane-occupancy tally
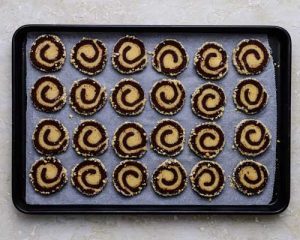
(89, 56)
(167, 97)
(206, 140)
(89, 177)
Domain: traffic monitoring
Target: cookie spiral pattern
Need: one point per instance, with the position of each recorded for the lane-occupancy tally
(211, 61)
(169, 179)
(250, 177)
(128, 98)
(130, 140)
(170, 57)
(129, 55)
(207, 179)
(87, 96)
(250, 57)
(252, 137)
(48, 53)
(208, 101)
(250, 96)
(89, 56)
(89, 177)
(48, 94)
(168, 137)
(47, 175)
(167, 96)
(207, 140)
(130, 178)
(90, 138)
(50, 137)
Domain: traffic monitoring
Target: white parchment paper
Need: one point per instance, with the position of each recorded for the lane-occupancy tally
(109, 77)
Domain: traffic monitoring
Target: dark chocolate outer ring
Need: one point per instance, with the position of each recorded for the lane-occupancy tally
(158, 63)
(95, 44)
(129, 190)
(57, 62)
(215, 111)
(61, 144)
(91, 108)
(177, 146)
(246, 105)
(92, 189)
(140, 148)
(61, 176)
(220, 70)
(262, 174)
(265, 138)
(139, 62)
(59, 100)
(95, 148)
(138, 104)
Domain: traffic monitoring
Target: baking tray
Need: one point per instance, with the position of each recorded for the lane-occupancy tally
(280, 44)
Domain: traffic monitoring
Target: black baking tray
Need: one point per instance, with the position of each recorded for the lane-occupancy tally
(280, 42)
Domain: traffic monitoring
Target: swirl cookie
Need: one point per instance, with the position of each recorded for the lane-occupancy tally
(48, 53)
(250, 96)
(250, 57)
(50, 137)
(252, 137)
(207, 179)
(47, 175)
(208, 101)
(169, 178)
(87, 96)
(89, 56)
(90, 138)
(128, 98)
(167, 96)
(167, 138)
(89, 177)
(250, 177)
(129, 55)
(130, 178)
(130, 140)
(170, 58)
(207, 140)
(211, 61)
(48, 94)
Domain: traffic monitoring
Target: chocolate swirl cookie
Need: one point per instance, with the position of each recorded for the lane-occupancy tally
(250, 177)
(252, 137)
(170, 58)
(207, 179)
(48, 53)
(167, 96)
(47, 175)
(130, 140)
(90, 138)
(250, 96)
(128, 98)
(130, 178)
(89, 56)
(48, 94)
(211, 61)
(207, 140)
(169, 178)
(89, 177)
(208, 101)
(167, 138)
(129, 55)
(87, 96)
(50, 137)
(250, 57)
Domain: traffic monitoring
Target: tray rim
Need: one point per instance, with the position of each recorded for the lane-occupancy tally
(283, 133)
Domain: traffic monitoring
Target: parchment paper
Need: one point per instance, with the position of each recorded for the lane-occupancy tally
(109, 77)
